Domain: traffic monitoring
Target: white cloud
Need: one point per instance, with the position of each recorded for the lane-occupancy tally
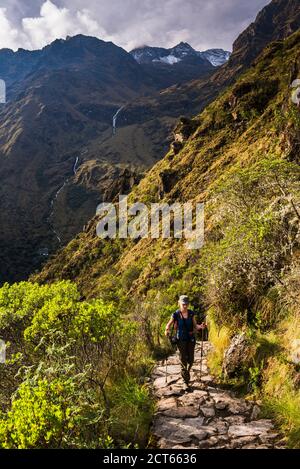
(53, 23)
(10, 37)
(127, 23)
(202, 23)
(56, 23)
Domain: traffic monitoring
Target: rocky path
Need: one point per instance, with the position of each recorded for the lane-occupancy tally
(208, 417)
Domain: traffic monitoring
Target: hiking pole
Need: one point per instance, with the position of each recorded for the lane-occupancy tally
(166, 370)
(170, 339)
(201, 354)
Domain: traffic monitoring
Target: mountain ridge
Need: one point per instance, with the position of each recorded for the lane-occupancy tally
(147, 54)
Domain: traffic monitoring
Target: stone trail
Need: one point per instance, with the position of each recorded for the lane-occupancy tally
(208, 417)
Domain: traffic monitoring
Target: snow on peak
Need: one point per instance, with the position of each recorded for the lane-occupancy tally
(168, 59)
(216, 57)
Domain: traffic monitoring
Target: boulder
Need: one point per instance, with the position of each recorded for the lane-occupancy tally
(169, 392)
(240, 442)
(159, 382)
(178, 432)
(220, 425)
(212, 441)
(237, 407)
(268, 438)
(221, 405)
(236, 356)
(191, 399)
(195, 422)
(163, 426)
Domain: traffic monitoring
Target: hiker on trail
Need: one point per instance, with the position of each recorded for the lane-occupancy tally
(186, 326)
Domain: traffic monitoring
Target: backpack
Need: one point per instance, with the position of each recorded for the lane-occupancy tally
(184, 333)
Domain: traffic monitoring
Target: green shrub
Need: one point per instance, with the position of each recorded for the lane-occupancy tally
(66, 359)
(255, 231)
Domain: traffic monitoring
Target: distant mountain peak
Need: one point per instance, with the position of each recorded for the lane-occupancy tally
(184, 46)
(178, 53)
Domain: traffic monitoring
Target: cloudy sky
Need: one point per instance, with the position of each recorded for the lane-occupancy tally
(32, 24)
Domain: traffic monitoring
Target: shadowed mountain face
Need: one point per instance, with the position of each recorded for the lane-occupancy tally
(276, 21)
(83, 120)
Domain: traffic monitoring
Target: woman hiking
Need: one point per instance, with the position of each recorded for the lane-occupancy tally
(185, 323)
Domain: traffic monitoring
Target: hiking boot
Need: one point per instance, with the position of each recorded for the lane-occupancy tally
(187, 388)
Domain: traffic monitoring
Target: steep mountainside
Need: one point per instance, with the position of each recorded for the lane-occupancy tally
(240, 157)
(153, 117)
(240, 127)
(276, 21)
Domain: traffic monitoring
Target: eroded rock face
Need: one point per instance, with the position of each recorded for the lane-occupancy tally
(208, 417)
(236, 356)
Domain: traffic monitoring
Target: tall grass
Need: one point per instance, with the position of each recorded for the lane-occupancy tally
(220, 339)
(282, 400)
(131, 414)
